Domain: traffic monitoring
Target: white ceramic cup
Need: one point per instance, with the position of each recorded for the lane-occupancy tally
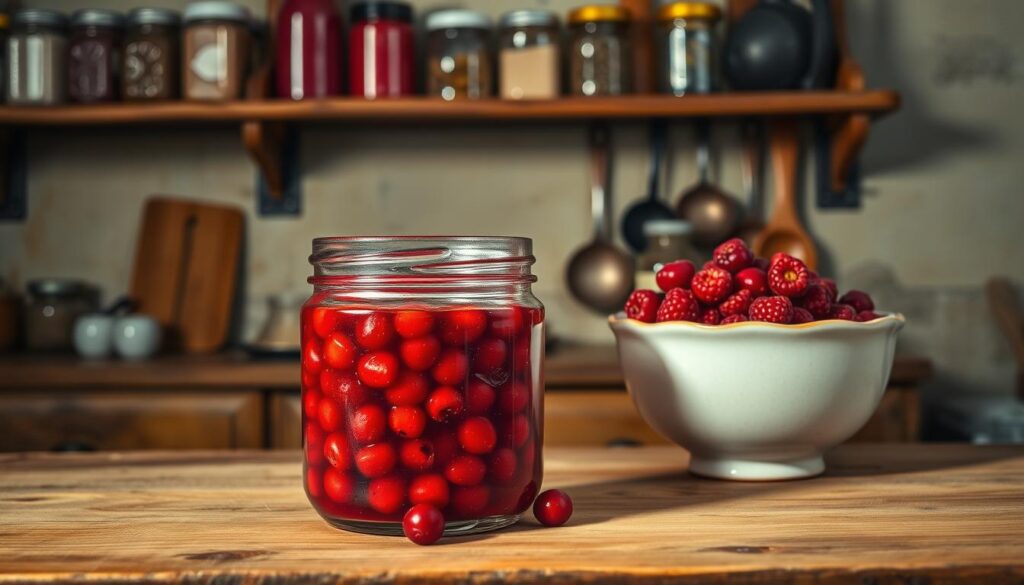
(93, 335)
(136, 336)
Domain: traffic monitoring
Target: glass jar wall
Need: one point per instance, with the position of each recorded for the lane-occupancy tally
(422, 381)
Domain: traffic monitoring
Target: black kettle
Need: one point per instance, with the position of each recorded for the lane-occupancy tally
(779, 45)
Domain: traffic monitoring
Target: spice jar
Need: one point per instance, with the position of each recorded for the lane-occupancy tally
(94, 56)
(599, 50)
(458, 55)
(36, 52)
(151, 54)
(308, 49)
(687, 47)
(216, 51)
(51, 311)
(422, 381)
(528, 55)
(381, 50)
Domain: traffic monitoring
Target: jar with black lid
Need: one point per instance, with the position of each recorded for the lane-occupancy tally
(36, 52)
(599, 50)
(151, 53)
(94, 56)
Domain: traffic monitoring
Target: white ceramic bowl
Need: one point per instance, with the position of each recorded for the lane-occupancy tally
(756, 401)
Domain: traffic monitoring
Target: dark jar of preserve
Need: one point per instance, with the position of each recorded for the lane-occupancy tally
(422, 381)
(151, 53)
(94, 56)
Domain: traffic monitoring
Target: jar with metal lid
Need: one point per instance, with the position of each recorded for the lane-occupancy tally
(599, 50)
(668, 240)
(37, 52)
(94, 56)
(4, 23)
(51, 311)
(151, 54)
(381, 50)
(529, 65)
(458, 55)
(215, 56)
(687, 47)
(422, 381)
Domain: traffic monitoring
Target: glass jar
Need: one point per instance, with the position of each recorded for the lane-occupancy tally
(687, 47)
(529, 66)
(381, 50)
(4, 22)
(94, 56)
(459, 55)
(668, 240)
(36, 52)
(422, 381)
(151, 54)
(308, 49)
(599, 50)
(52, 308)
(215, 55)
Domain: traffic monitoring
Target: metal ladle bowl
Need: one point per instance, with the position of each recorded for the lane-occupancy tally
(600, 275)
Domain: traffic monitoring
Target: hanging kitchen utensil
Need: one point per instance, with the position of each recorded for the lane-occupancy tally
(752, 175)
(778, 45)
(652, 207)
(186, 266)
(784, 232)
(600, 275)
(713, 213)
(1006, 309)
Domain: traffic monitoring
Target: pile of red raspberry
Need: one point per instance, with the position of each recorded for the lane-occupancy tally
(735, 286)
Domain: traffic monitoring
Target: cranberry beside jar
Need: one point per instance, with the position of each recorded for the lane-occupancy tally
(422, 381)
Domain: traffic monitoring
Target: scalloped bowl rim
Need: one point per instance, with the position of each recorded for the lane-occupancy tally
(620, 320)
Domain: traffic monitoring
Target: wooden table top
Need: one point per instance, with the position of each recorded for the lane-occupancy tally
(570, 366)
(881, 514)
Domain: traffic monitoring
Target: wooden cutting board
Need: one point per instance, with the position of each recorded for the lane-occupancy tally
(186, 267)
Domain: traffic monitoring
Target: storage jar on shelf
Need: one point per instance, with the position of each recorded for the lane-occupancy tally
(599, 50)
(459, 55)
(687, 47)
(94, 56)
(381, 50)
(36, 53)
(215, 56)
(529, 63)
(151, 55)
(308, 49)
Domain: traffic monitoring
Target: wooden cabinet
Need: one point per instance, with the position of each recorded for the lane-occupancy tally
(45, 421)
(285, 420)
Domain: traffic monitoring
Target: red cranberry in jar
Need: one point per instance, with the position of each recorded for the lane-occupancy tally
(411, 398)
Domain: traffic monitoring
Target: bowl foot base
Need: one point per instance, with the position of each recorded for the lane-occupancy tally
(743, 469)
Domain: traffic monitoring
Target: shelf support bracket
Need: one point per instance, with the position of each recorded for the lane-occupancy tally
(13, 181)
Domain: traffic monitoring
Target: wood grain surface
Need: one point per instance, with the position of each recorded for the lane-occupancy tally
(423, 109)
(893, 514)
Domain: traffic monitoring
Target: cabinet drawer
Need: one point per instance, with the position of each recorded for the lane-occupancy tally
(44, 421)
(285, 420)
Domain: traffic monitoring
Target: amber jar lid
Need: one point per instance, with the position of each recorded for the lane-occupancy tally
(692, 10)
(598, 13)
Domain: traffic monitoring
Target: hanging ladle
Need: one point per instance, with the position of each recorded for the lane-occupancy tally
(714, 214)
(652, 207)
(600, 275)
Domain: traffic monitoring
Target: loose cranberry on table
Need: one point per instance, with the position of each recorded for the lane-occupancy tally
(423, 524)
(552, 508)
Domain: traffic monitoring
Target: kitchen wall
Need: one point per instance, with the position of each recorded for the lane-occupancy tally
(942, 208)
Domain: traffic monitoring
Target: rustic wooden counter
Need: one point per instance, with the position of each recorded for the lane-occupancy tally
(893, 514)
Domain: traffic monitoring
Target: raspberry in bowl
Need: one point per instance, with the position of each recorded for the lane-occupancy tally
(756, 372)
(422, 381)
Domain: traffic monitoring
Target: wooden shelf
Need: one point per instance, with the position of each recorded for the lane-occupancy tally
(421, 109)
(570, 366)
